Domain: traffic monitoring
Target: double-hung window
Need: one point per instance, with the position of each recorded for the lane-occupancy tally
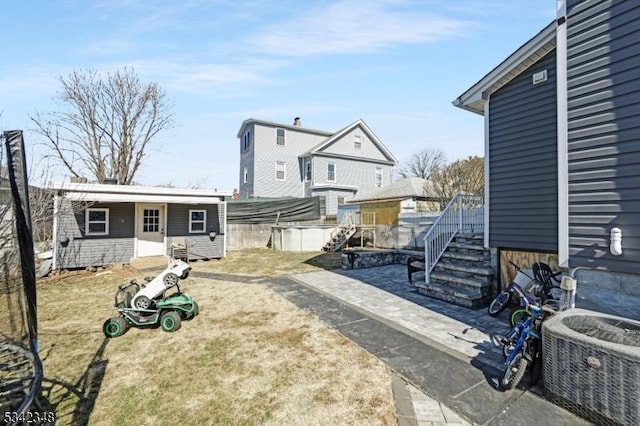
(378, 177)
(281, 169)
(96, 221)
(331, 172)
(280, 137)
(307, 171)
(357, 142)
(197, 221)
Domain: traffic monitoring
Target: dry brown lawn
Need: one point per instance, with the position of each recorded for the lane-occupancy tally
(250, 357)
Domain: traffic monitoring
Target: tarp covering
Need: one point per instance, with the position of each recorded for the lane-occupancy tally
(273, 210)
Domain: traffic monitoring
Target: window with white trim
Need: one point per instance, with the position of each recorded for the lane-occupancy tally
(378, 177)
(96, 221)
(197, 221)
(281, 169)
(357, 142)
(307, 171)
(331, 172)
(245, 174)
(280, 136)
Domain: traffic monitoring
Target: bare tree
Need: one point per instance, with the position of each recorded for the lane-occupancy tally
(465, 176)
(106, 124)
(423, 164)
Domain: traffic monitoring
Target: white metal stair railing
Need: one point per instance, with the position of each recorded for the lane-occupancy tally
(463, 214)
(343, 231)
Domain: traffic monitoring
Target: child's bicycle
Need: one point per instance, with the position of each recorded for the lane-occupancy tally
(529, 291)
(521, 347)
(520, 287)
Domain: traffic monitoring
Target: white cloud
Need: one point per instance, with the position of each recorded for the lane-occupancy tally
(354, 26)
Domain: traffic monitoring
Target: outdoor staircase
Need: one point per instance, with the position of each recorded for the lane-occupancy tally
(463, 275)
(457, 267)
(340, 236)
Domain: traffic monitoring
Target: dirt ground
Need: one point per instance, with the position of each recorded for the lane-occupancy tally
(249, 357)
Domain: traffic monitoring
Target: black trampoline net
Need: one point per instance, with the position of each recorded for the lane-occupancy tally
(20, 371)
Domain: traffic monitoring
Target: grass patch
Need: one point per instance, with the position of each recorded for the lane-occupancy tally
(271, 263)
(250, 358)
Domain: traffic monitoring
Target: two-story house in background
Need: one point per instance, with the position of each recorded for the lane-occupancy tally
(279, 160)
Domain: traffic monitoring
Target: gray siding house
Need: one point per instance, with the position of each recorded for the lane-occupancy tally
(98, 224)
(562, 142)
(279, 160)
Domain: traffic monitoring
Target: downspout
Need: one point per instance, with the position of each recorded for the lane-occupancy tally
(563, 134)
(56, 208)
(486, 170)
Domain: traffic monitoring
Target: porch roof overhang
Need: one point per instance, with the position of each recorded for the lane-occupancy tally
(137, 194)
(140, 198)
(528, 54)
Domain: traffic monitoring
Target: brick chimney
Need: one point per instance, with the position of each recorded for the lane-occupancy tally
(297, 122)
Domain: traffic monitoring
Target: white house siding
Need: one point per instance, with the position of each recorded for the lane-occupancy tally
(345, 146)
(331, 196)
(351, 172)
(356, 173)
(268, 152)
(82, 250)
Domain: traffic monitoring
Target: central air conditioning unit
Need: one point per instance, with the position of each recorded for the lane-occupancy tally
(591, 365)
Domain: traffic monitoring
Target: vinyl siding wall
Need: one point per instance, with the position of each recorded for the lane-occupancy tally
(346, 146)
(200, 245)
(247, 158)
(603, 41)
(267, 152)
(360, 174)
(94, 250)
(523, 198)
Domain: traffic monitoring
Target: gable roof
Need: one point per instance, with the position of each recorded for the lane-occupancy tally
(528, 54)
(336, 136)
(249, 121)
(411, 187)
(97, 192)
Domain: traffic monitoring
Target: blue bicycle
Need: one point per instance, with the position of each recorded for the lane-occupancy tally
(521, 347)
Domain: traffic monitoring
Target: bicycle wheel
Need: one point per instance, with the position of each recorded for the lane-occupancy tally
(499, 303)
(517, 315)
(514, 372)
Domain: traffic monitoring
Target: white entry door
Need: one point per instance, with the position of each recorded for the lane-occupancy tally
(150, 230)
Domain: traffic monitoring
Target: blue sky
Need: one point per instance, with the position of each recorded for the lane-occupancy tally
(396, 64)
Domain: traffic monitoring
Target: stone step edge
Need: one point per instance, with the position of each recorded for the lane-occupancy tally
(488, 271)
(467, 246)
(451, 293)
(473, 257)
(469, 282)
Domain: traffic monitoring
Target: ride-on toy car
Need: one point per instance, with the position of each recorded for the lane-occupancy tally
(147, 305)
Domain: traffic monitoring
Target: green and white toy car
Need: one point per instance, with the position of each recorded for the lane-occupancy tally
(166, 311)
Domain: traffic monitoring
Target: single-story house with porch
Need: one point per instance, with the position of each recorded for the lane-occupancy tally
(102, 224)
(562, 148)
